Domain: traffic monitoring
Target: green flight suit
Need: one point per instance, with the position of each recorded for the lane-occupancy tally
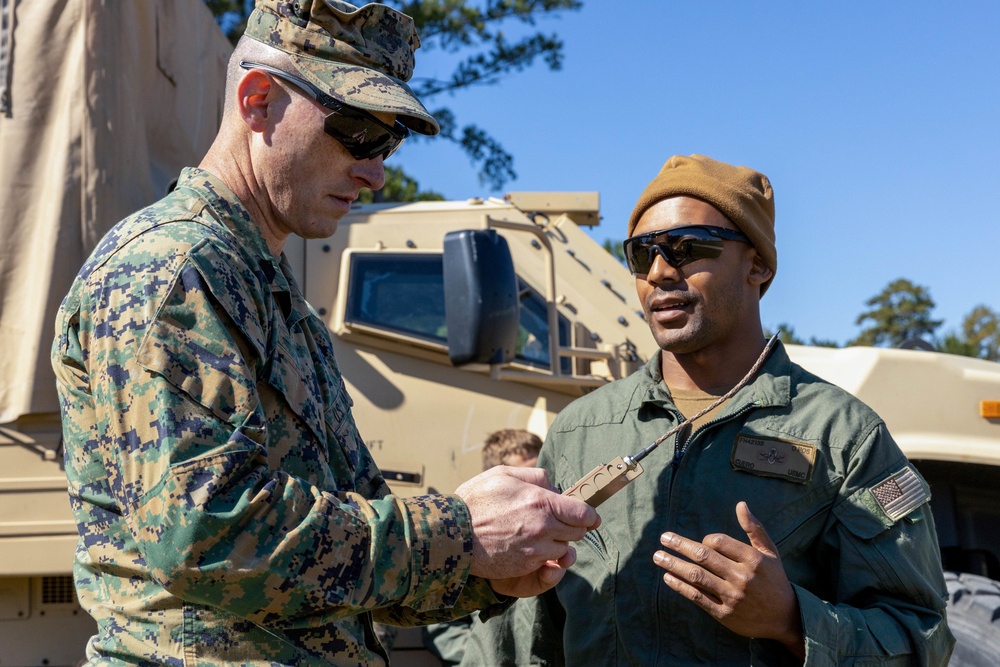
(229, 513)
(853, 528)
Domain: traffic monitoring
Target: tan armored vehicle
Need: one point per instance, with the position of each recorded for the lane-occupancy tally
(405, 289)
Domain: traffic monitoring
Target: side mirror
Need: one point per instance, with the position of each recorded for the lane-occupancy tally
(481, 299)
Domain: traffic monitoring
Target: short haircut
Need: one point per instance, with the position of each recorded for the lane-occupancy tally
(251, 50)
(509, 441)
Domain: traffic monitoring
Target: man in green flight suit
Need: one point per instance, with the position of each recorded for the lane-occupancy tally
(838, 562)
(229, 512)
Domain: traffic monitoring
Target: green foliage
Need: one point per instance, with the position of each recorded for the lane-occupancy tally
(899, 312)
(461, 27)
(474, 31)
(231, 16)
(786, 334)
(979, 336)
(615, 249)
(953, 343)
(398, 188)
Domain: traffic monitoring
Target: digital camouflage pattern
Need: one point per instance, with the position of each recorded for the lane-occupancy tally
(869, 585)
(360, 56)
(229, 513)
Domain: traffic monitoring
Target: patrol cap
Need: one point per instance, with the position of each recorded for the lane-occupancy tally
(359, 56)
(739, 193)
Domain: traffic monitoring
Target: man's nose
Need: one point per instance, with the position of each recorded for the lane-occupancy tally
(370, 172)
(661, 270)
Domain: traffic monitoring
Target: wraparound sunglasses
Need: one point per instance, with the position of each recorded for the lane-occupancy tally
(362, 134)
(677, 246)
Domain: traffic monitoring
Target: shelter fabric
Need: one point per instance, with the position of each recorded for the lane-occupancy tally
(107, 102)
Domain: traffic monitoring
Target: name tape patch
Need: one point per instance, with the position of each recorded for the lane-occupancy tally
(771, 457)
(900, 493)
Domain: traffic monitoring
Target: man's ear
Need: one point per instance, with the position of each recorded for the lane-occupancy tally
(760, 273)
(254, 96)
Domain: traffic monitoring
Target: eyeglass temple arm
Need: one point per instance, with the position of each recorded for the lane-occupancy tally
(304, 85)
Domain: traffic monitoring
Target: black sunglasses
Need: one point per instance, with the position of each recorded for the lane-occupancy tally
(677, 246)
(362, 134)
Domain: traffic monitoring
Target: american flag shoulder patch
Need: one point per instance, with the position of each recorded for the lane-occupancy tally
(901, 493)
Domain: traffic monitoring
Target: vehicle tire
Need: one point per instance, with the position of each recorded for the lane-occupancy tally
(974, 619)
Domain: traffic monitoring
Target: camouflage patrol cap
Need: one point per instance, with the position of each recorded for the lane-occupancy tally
(359, 56)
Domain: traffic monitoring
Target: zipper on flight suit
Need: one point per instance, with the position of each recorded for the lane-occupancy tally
(683, 439)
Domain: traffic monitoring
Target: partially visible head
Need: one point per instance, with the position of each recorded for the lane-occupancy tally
(511, 447)
(316, 99)
(360, 56)
(742, 195)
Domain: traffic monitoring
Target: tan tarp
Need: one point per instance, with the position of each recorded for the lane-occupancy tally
(107, 101)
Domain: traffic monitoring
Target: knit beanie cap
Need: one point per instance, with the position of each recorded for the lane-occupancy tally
(739, 193)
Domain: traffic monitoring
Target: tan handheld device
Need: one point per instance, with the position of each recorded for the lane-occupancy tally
(605, 481)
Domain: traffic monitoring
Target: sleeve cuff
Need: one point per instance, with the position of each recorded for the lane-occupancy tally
(819, 619)
(440, 533)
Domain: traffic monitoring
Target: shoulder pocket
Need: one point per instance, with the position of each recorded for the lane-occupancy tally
(871, 510)
(190, 345)
(859, 517)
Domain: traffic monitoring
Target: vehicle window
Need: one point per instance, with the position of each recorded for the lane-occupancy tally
(404, 293)
(533, 337)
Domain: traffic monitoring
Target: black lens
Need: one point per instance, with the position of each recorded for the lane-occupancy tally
(361, 133)
(362, 138)
(678, 247)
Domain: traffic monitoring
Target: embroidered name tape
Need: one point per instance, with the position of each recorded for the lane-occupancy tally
(771, 457)
(900, 494)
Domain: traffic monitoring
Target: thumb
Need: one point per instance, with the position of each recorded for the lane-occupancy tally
(759, 539)
(550, 574)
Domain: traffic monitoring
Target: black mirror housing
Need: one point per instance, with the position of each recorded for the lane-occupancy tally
(481, 299)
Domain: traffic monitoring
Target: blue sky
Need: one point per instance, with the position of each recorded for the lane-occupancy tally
(878, 124)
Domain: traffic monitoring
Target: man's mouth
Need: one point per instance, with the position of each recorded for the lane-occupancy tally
(668, 305)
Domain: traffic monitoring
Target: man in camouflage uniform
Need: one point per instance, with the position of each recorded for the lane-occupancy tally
(229, 513)
(837, 565)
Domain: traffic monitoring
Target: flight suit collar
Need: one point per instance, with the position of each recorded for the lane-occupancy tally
(771, 387)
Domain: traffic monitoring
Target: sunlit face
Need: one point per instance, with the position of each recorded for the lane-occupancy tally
(308, 180)
(705, 303)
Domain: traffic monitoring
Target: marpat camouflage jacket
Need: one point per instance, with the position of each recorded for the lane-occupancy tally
(229, 513)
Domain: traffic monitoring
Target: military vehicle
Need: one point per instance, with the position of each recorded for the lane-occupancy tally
(405, 289)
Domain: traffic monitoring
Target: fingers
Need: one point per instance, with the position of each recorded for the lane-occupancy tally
(743, 586)
(531, 584)
(534, 476)
(716, 552)
(570, 511)
(567, 559)
(705, 599)
(699, 570)
(754, 529)
(518, 523)
(575, 513)
(551, 573)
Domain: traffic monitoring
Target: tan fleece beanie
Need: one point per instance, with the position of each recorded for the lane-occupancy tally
(739, 193)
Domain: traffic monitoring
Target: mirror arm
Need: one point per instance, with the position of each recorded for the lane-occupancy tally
(550, 283)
